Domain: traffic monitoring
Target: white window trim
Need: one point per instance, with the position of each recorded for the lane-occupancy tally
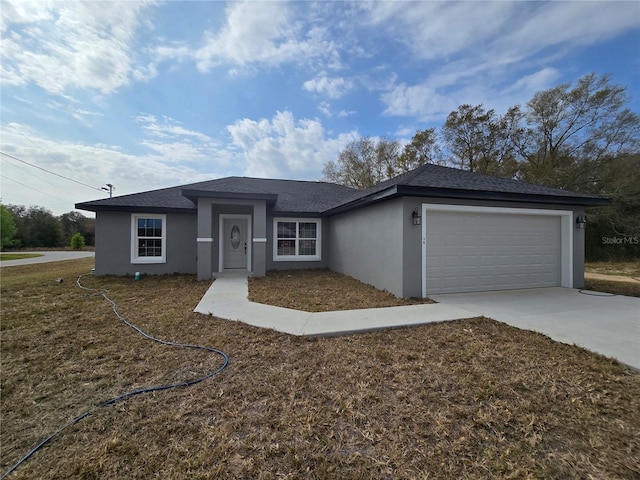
(297, 258)
(134, 239)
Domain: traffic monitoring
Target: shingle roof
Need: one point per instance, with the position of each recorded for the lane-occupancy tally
(306, 197)
(165, 199)
(288, 196)
(292, 195)
(435, 180)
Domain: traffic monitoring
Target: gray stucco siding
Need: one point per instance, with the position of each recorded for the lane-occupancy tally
(113, 245)
(210, 211)
(380, 245)
(367, 244)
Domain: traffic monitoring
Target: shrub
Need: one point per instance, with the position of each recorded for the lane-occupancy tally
(77, 241)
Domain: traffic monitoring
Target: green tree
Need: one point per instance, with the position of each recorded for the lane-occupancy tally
(77, 241)
(568, 132)
(584, 138)
(364, 163)
(7, 227)
(75, 222)
(480, 141)
(619, 179)
(36, 227)
(423, 148)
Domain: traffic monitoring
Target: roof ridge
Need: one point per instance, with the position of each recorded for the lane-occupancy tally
(511, 179)
(416, 171)
(285, 180)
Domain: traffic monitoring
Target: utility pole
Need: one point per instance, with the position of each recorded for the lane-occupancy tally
(110, 189)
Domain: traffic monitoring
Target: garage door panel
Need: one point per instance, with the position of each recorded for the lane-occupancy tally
(490, 251)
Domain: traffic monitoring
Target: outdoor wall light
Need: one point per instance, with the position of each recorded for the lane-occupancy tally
(581, 221)
(415, 215)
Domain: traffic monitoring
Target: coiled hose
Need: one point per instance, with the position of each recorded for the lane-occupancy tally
(132, 393)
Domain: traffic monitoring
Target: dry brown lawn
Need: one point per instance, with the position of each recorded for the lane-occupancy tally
(628, 269)
(620, 278)
(464, 399)
(320, 290)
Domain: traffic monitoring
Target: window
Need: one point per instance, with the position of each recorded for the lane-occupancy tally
(148, 238)
(296, 239)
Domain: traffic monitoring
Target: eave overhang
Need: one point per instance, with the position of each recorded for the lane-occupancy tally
(502, 196)
(133, 208)
(460, 194)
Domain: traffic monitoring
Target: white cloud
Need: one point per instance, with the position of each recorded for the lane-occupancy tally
(437, 29)
(80, 114)
(540, 80)
(280, 147)
(473, 47)
(569, 23)
(331, 87)
(433, 101)
(177, 144)
(65, 45)
(422, 101)
(446, 30)
(325, 108)
(285, 148)
(345, 113)
(257, 33)
(168, 128)
(95, 164)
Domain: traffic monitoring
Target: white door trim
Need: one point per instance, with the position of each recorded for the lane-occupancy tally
(221, 219)
(566, 234)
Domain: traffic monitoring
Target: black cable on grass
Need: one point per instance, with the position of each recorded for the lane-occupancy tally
(596, 294)
(132, 393)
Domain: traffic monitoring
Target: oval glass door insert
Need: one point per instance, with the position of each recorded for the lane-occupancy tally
(235, 237)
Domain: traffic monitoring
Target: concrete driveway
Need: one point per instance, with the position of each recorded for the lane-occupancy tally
(603, 323)
(47, 256)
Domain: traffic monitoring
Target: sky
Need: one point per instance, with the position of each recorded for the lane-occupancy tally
(149, 94)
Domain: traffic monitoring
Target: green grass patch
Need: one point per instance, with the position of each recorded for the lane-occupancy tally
(18, 256)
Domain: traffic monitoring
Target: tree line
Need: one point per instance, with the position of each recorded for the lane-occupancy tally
(37, 227)
(578, 137)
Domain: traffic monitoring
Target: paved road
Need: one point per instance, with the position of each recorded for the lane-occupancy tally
(48, 256)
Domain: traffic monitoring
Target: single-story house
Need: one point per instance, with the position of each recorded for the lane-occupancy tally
(431, 230)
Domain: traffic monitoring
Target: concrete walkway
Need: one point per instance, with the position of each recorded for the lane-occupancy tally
(609, 325)
(227, 298)
(47, 256)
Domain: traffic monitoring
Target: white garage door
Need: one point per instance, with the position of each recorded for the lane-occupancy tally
(473, 251)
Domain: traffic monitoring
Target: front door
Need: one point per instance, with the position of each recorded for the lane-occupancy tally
(235, 243)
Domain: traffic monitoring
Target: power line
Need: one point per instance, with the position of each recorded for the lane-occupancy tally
(30, 172)
(49, 171)
(39, 191)
(23, 135)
